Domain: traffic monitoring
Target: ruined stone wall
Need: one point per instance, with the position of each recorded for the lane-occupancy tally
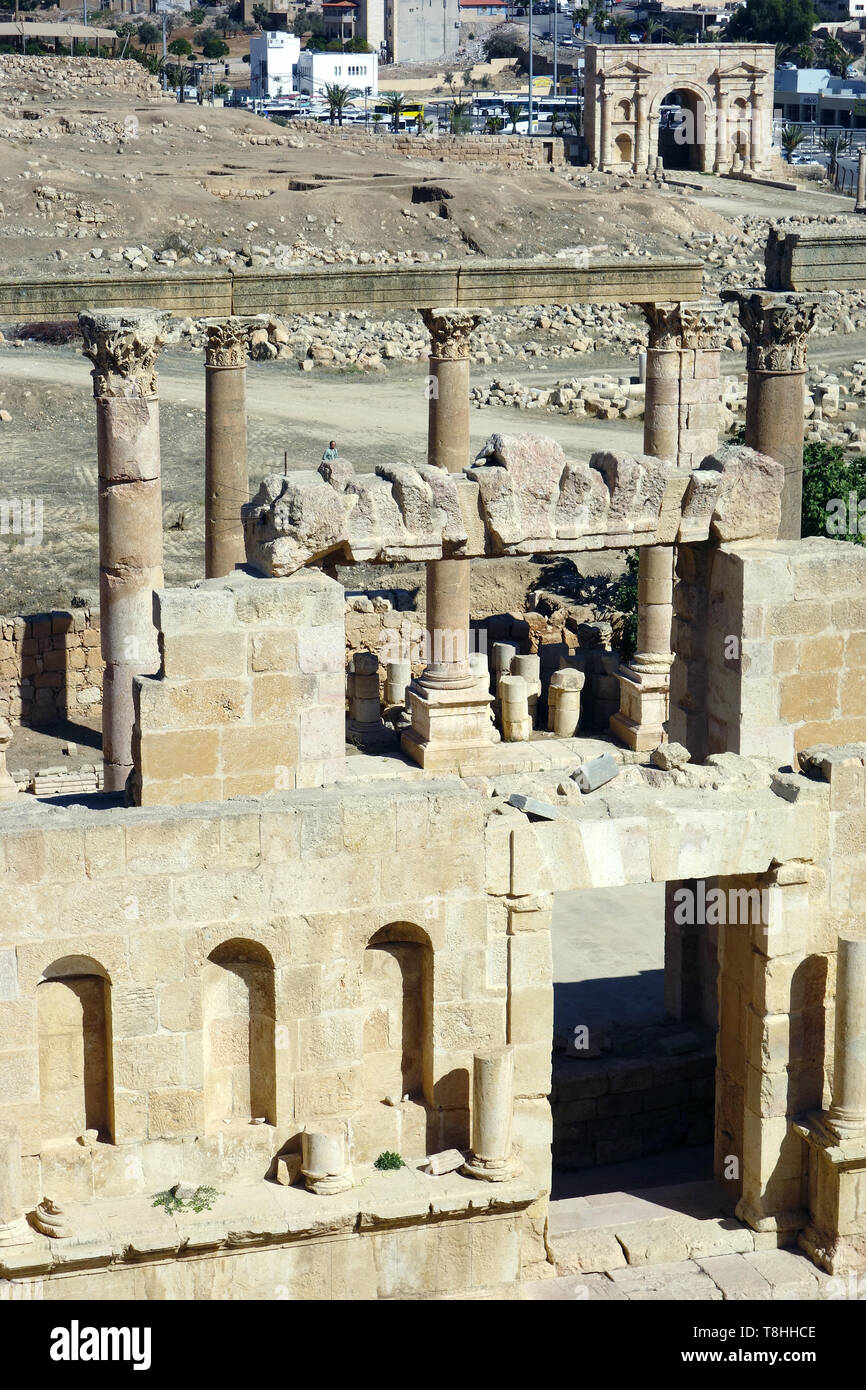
(771, 647)
(251, 695)
(50, 667)
(503, 151)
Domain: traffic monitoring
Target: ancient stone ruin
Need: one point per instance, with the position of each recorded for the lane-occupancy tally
(254, 973)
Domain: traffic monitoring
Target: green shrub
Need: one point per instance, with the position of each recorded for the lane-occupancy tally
(388, 1160)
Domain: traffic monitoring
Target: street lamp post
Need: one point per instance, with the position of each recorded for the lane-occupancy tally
(555, 47)
(531, 41)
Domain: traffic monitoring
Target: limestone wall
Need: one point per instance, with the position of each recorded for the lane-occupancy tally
(157, 908)
(251, 695)
(503, 151)
(50, 667)
(771, 647)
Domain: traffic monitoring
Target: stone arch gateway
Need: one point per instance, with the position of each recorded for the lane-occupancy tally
(727, 86)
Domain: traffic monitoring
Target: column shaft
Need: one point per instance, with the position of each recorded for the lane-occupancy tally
(847, 1113)
(226, 470)
(860, 205)
(450, 713)
(777, 325)
(123, 345)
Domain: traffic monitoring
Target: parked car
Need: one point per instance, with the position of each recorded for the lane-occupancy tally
(635, 38)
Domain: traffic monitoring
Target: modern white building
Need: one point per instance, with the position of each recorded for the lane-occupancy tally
(316, 71)
(274, 64)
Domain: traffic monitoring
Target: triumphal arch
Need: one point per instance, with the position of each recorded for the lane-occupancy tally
(724, 93)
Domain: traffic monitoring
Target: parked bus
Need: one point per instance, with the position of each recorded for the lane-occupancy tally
(409, 116)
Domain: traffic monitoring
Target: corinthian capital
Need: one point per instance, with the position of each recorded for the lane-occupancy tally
(228, 339)
(122, 345)
(777, 326)
(450, 330)
(664, 323)
(696, 324)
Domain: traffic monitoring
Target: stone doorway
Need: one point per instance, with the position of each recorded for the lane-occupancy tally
(682, 130)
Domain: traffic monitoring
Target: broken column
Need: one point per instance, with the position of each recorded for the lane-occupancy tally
(777, 325)
(365, 708)
(14, 1229)
(323, 1162)
(529, 667)
(122, 344)
(563, 702)
(225, 461)
(681, 423)
(847, 1113)
(492, 1113)
(450, 712)
(8, 789)
(514, 706)
(398, 675)
(860, 205)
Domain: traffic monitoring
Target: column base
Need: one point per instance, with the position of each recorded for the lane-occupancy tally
(643, 711)
(835, 1237)
(489, 1171)
(330, 1186)
(447, 725)
(15, 1233)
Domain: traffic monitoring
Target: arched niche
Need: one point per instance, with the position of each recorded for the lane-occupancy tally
(398, 1014)
(238, 1013)
(76, 1088)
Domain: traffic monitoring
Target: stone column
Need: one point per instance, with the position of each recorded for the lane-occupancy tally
(604, 154)
(8, 789)
(226, 479)
(492, 1114)
(681, 411)
(847, 1113)
(323, 1162)
(450, 717)
(122, 344)
(756, 152)
(777, 325)
(860, 205)
(14, 1229)
(721, 160)
(641, 143)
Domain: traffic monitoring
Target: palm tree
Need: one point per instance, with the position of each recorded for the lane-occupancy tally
(835, 56)
(377, 119)
(833, 145)
(654, 26)
(394, 103)
(804, 54)
(620, 29)
(514, 112)
(460, 118)
(493, 125)
(337, 99)
(581, 16)
(791, 137)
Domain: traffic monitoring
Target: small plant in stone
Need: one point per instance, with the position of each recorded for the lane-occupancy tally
(203, 1198)
(388, 1161)
(169, 1201)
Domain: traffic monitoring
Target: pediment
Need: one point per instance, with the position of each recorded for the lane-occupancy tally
(629, 70)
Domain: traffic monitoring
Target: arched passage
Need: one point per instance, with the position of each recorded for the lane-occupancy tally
(682, 129)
